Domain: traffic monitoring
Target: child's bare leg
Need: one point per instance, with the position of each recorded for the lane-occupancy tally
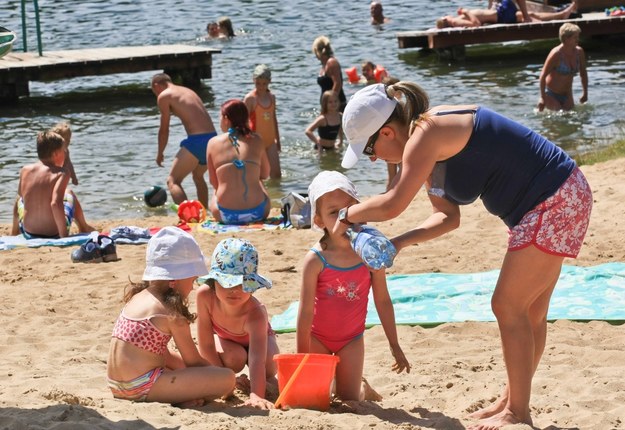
(368, 393)
(192, 386)
(349, 370)
(275, 171)
(79, 217)
(527, 279)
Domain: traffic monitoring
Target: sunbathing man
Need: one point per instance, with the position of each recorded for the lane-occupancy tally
(506, 12)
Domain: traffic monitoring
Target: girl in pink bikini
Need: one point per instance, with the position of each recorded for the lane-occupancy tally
(334, 294)
(233, 326)
(140, 365)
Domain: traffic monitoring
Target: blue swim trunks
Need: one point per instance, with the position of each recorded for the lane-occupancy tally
(506, 12)
(68, 207)
(196, 144)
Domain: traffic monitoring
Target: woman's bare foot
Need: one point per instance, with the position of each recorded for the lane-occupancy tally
(490, 410)
(569, 10)
(503, 418)
(368, 392)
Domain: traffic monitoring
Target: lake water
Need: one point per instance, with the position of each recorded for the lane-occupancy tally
(114, 118)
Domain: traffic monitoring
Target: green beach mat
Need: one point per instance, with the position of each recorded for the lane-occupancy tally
(428, 299)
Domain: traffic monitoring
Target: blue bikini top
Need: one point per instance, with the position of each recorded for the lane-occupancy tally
(565, 69)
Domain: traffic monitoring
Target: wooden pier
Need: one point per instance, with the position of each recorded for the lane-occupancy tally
(591, 24)
(190, 63)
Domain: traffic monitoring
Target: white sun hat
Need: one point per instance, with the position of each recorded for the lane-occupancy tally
(365, 113)
(173, 254)
(325, 182)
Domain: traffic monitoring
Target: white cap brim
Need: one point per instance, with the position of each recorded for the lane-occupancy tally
(352, 154)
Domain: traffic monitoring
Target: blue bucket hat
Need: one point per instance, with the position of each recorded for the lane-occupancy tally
(235, 262)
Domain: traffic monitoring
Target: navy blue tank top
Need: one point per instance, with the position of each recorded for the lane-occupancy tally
(509, 166)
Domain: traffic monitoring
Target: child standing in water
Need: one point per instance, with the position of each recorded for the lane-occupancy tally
(233, 327)
(261, 105)
(62, 129)
(327, 124)
(334, 294)
(140, 366)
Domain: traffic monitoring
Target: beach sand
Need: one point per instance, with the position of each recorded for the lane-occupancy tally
(57, 319)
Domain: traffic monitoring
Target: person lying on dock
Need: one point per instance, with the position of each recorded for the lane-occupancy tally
(505, 12)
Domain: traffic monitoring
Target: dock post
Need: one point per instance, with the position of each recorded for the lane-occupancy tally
(10, 92)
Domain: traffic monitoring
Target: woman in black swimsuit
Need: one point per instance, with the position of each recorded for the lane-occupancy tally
(330, 76)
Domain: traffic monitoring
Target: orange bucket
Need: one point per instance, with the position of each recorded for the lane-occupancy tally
(305, 380)
(191, 211)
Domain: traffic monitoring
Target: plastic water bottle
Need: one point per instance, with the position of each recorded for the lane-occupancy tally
(375, 250)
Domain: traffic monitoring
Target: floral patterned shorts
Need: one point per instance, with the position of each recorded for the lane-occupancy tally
(558, 225)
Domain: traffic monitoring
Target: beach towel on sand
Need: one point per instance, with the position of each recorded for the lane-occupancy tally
(19, 241)
(214, 227)
(428, 299)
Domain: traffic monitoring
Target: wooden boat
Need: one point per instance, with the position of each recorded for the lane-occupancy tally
(7, 37)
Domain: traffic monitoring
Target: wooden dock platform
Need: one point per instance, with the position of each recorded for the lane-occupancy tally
(191, 63)
(591, 24)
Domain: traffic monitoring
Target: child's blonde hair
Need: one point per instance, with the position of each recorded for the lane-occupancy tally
(325, 99)
(62, 128)
(568, 29)
(262, 71)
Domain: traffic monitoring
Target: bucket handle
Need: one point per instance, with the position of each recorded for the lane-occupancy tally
(291, 380)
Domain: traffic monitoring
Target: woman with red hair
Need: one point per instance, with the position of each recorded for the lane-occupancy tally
(237, 164)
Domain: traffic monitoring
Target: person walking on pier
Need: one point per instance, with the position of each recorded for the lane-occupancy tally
(191, 158)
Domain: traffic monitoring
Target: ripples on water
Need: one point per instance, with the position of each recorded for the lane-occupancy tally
(114, 118)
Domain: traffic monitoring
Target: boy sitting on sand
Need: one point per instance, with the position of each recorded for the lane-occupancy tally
(45, 207)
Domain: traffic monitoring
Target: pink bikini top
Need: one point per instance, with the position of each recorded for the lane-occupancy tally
(142, 333)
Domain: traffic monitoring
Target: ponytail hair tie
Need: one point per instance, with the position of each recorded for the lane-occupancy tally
(390, 91)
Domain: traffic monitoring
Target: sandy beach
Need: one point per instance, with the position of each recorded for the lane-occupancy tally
(57, 319)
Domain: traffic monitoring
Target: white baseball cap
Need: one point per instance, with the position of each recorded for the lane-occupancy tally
(173, 254)
(365, 113)
(325, 182)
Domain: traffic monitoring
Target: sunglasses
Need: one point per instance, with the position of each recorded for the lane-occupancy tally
(368, 149)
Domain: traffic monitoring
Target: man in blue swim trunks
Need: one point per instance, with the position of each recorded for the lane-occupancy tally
(502, 12)
(183, 102)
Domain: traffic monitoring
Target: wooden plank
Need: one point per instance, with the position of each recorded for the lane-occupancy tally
(595, 24)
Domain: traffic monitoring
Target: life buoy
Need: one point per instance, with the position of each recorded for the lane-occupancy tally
(191, 211)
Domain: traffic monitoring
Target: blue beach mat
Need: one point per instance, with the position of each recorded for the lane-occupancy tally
(19, 241)
(428, 299)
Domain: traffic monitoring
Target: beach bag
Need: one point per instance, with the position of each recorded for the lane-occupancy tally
(296, 210)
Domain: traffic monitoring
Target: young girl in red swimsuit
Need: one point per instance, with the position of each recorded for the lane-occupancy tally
(233, 326)
(140, 365)
(334, 294)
